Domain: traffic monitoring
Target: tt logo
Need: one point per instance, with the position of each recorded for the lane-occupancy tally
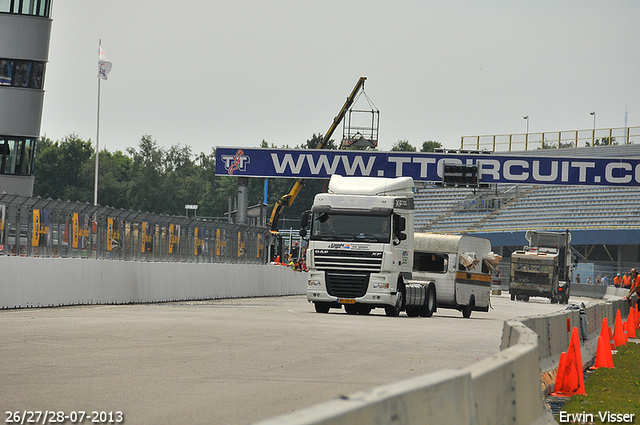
(235, 162)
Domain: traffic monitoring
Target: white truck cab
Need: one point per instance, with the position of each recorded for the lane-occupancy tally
(360, 249)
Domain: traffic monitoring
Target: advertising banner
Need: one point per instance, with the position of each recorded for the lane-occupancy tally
(114, 241)
(198, 241)
(40, 233)
(147, 231)
(174, 238)
(241, 245)
(81, 223)
(260, 245)
(3, 209)
(221, 242)
(427, 167)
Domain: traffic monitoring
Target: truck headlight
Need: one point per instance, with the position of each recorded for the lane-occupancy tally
(313, 283)
(381, 285)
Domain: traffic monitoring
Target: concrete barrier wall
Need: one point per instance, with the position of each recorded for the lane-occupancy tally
(506, 388)
(42, 282)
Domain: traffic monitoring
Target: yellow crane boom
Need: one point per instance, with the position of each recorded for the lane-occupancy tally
(287, 199)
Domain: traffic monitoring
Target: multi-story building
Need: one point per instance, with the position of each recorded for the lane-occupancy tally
(25, 29)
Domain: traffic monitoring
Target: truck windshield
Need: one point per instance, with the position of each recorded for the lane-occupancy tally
(347, 228)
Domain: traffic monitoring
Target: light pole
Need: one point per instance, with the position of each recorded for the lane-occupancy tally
(526, 137)
(593, 133)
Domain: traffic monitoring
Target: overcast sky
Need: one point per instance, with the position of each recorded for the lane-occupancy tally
(234, 73)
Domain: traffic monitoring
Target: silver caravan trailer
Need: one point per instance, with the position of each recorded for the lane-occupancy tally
(457, 267)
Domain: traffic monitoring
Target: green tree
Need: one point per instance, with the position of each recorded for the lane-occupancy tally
(605, 141)
(403, 146)
(147, 180)
(58, 169)
(315, 140)
(430, 146)
(114, 173)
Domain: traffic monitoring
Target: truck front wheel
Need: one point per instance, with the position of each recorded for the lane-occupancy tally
(321, 307)
(394, 311)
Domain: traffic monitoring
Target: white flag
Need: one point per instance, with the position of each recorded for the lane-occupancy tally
(104, 65)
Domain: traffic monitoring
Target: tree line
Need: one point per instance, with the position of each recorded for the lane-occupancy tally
(162, 180)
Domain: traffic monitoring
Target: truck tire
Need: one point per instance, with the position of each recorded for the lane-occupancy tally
(467, 309)
(351, 309)
(413, 311)
(394, 311)
(364, 309)
(321, 307)
(430, 303)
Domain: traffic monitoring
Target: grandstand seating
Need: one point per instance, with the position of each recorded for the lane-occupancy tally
(541, 207)
(432, 202)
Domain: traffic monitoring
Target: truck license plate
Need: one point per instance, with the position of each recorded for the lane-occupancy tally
(346, 301)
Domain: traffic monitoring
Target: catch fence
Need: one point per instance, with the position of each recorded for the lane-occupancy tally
(53, 228)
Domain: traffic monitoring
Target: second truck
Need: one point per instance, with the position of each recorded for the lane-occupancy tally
(542, 268)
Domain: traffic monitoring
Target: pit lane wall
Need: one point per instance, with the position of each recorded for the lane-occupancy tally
(506, 388)
(44, 282)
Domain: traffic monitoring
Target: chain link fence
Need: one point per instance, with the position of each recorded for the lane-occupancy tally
(38, 227)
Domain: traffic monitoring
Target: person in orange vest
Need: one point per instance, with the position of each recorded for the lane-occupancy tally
(626, 281)
(617, 281)
(635, 284)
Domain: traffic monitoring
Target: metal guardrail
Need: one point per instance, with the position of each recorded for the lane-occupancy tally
(53, 228)
(552, 139)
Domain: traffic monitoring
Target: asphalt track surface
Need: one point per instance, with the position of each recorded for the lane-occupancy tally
(228, 361)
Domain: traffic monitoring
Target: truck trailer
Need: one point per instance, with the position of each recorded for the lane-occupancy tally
(456, 268)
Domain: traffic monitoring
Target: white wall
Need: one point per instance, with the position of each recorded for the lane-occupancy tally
(38, 282)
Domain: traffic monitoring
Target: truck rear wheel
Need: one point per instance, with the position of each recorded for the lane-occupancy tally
(413, 311)
(467, 309)
(430, 303)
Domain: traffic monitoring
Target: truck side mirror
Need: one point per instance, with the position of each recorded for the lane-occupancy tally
(399, 226)
(304, 222)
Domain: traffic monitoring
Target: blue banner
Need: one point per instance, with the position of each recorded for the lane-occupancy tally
(426, 167)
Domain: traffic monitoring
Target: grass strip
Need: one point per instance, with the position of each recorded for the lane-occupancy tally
(609, 392)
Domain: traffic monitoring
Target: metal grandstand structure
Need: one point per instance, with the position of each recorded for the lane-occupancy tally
(553, 139)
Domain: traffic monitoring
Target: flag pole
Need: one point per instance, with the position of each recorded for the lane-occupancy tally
(95, 186)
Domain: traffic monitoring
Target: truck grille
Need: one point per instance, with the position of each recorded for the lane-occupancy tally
(359, 261)
(346, 285)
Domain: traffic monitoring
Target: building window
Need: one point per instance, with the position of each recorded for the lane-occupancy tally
(19, 73)
(17, 155)
(26, 7)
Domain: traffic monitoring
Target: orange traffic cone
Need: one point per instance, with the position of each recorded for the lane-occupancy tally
(631, 325)
(635, 314)
(612, 341)
(570, 379)
(604, 358)
(618, 331)
(605, 333)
